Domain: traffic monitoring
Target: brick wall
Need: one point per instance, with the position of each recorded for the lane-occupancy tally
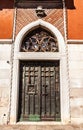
(28, 15)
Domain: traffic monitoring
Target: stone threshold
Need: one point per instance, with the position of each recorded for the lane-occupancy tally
(41, 127)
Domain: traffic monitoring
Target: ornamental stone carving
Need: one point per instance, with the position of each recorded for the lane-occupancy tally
(39, 40)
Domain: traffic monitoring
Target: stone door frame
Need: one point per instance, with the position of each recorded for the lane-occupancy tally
(61, 55)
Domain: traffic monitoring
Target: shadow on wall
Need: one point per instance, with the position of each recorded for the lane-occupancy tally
(50, 4)
(70, 4)
(46, 4)
(6, 4)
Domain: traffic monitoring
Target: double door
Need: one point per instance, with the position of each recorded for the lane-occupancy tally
(39, 91)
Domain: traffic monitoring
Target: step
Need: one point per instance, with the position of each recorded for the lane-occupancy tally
(41, 127)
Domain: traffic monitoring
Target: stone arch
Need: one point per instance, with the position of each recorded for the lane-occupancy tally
(61, 55)
(47, 25)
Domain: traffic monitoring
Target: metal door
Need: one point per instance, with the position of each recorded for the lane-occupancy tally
(39, 91)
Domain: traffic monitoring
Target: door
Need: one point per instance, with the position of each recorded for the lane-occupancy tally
(39, 91)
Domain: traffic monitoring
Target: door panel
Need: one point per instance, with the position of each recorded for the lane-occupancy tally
(39, 90)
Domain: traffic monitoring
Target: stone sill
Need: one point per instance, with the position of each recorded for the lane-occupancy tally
(5, 41)
(71, 41)
(40, 123)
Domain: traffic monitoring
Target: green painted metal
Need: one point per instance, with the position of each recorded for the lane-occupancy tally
(58, 119)
(34, 117)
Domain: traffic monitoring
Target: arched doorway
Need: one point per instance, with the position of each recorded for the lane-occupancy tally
(39, 62)
(39, 86)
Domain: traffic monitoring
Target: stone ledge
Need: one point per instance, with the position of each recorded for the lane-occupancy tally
(40, 127)
(6, 41)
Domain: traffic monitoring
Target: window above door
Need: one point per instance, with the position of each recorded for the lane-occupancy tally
(39, 40)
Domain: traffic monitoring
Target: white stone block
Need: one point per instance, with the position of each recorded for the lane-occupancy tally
(0, 94)
(5, 47)
(4, 102)
(5, 52)
(76, 74)
(4, 74)
(5, 55)
(3, 115)
(5, 92)
(76, 92)
(76, 102)
(4, 83)
(77, 65)
(77, 112)
(5, 65)
(75, 56)
(76, 82)
(75, 47)
(77, 121)
(76, 107)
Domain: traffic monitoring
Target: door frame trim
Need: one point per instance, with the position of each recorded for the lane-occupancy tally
(61, 55)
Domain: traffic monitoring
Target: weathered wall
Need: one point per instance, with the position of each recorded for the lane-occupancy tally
(5, 76)
(6, 19)
(75, 19)
(75, 53)
(27, 15)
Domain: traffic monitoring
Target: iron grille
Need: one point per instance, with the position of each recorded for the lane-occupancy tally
(39, 40)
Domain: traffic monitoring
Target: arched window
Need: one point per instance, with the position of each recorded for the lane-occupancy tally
(39, 40)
